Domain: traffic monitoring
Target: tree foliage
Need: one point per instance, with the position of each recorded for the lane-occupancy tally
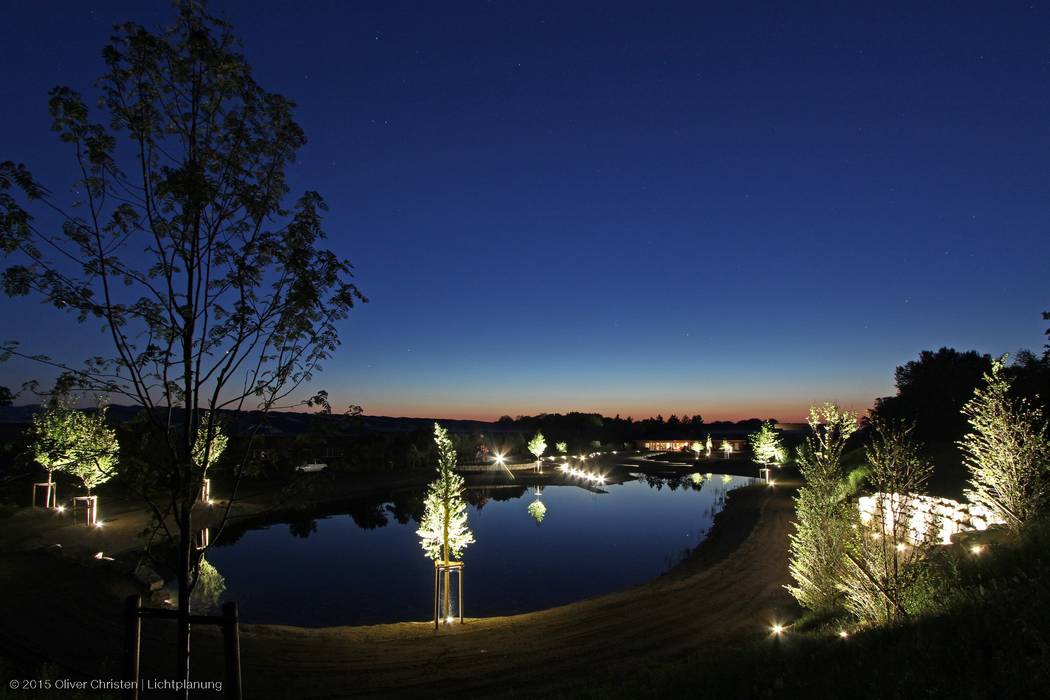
(887, 557)
(76, 442)
(537, 445)
(821, 514)
(562, 447)
(766, 444)
(932, 390)
(444, 531)
(1007, 450)
(208, 449)
(537, 510)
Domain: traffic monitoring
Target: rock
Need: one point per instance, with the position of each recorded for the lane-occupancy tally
(160, 598)
(149, 577)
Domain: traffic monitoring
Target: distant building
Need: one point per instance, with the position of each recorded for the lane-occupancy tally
(664, 445)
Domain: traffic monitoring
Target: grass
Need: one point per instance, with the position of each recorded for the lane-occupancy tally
(985, 634)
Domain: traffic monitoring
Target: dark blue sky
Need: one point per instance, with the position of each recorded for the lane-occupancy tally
(631, 208)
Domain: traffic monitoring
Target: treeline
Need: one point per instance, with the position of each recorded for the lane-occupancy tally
(931, 392)
(582, 429)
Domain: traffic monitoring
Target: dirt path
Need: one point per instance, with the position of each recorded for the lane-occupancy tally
(731, 588)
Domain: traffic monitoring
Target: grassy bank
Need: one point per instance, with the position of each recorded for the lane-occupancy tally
(987, 635)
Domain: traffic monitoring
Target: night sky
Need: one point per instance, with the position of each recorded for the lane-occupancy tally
(632, 208)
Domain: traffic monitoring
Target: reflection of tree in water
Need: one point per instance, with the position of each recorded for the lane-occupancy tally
(406, 507)
(209, 588)
(302, 526)
(369, 515)
(686, 482)
(473, 496)
(538, 511)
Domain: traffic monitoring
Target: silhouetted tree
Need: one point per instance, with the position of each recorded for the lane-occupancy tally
(1046, 348)
(932, 390)
(212, 289)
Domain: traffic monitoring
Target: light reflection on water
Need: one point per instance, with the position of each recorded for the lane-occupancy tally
(366, 566)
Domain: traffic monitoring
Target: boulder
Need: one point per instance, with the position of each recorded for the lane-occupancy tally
(149, 578)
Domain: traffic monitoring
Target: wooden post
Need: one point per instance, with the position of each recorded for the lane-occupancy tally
(461, 595)
(50, 494)
(435, 595)
(132, 644)
(232, 643)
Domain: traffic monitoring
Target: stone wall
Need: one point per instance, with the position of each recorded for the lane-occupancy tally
(927, 517)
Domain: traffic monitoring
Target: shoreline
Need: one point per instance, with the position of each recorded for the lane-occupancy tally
(401, 657)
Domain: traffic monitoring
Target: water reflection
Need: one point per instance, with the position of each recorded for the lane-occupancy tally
(600, 541)
(209, 589)
(302, 526)
(537, 510)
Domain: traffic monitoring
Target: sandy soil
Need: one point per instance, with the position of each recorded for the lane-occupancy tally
(731, 588)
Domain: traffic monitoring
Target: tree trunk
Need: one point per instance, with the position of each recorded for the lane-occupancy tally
(448, 575)
(182, 649)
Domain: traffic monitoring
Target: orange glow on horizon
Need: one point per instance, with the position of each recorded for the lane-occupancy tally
(783, 411)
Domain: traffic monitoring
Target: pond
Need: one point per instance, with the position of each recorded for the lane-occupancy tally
(364, 564)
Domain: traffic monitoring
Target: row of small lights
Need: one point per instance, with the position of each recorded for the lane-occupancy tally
(777, 629)
(580, 474)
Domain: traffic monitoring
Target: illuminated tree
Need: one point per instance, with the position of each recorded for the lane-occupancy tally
(207, 452)
(709, 445)
(561, 447)
(76, 442)
(444, 531)
(822, 516)
(96, 449)
(766, 445)
(52, 436)
(1007, 451)
(886, 557)
(178, 237)
(727, 448)
(537, 445)
(697, 448)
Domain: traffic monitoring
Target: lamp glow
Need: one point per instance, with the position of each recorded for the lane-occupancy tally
(777, 629)
(976, 549)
